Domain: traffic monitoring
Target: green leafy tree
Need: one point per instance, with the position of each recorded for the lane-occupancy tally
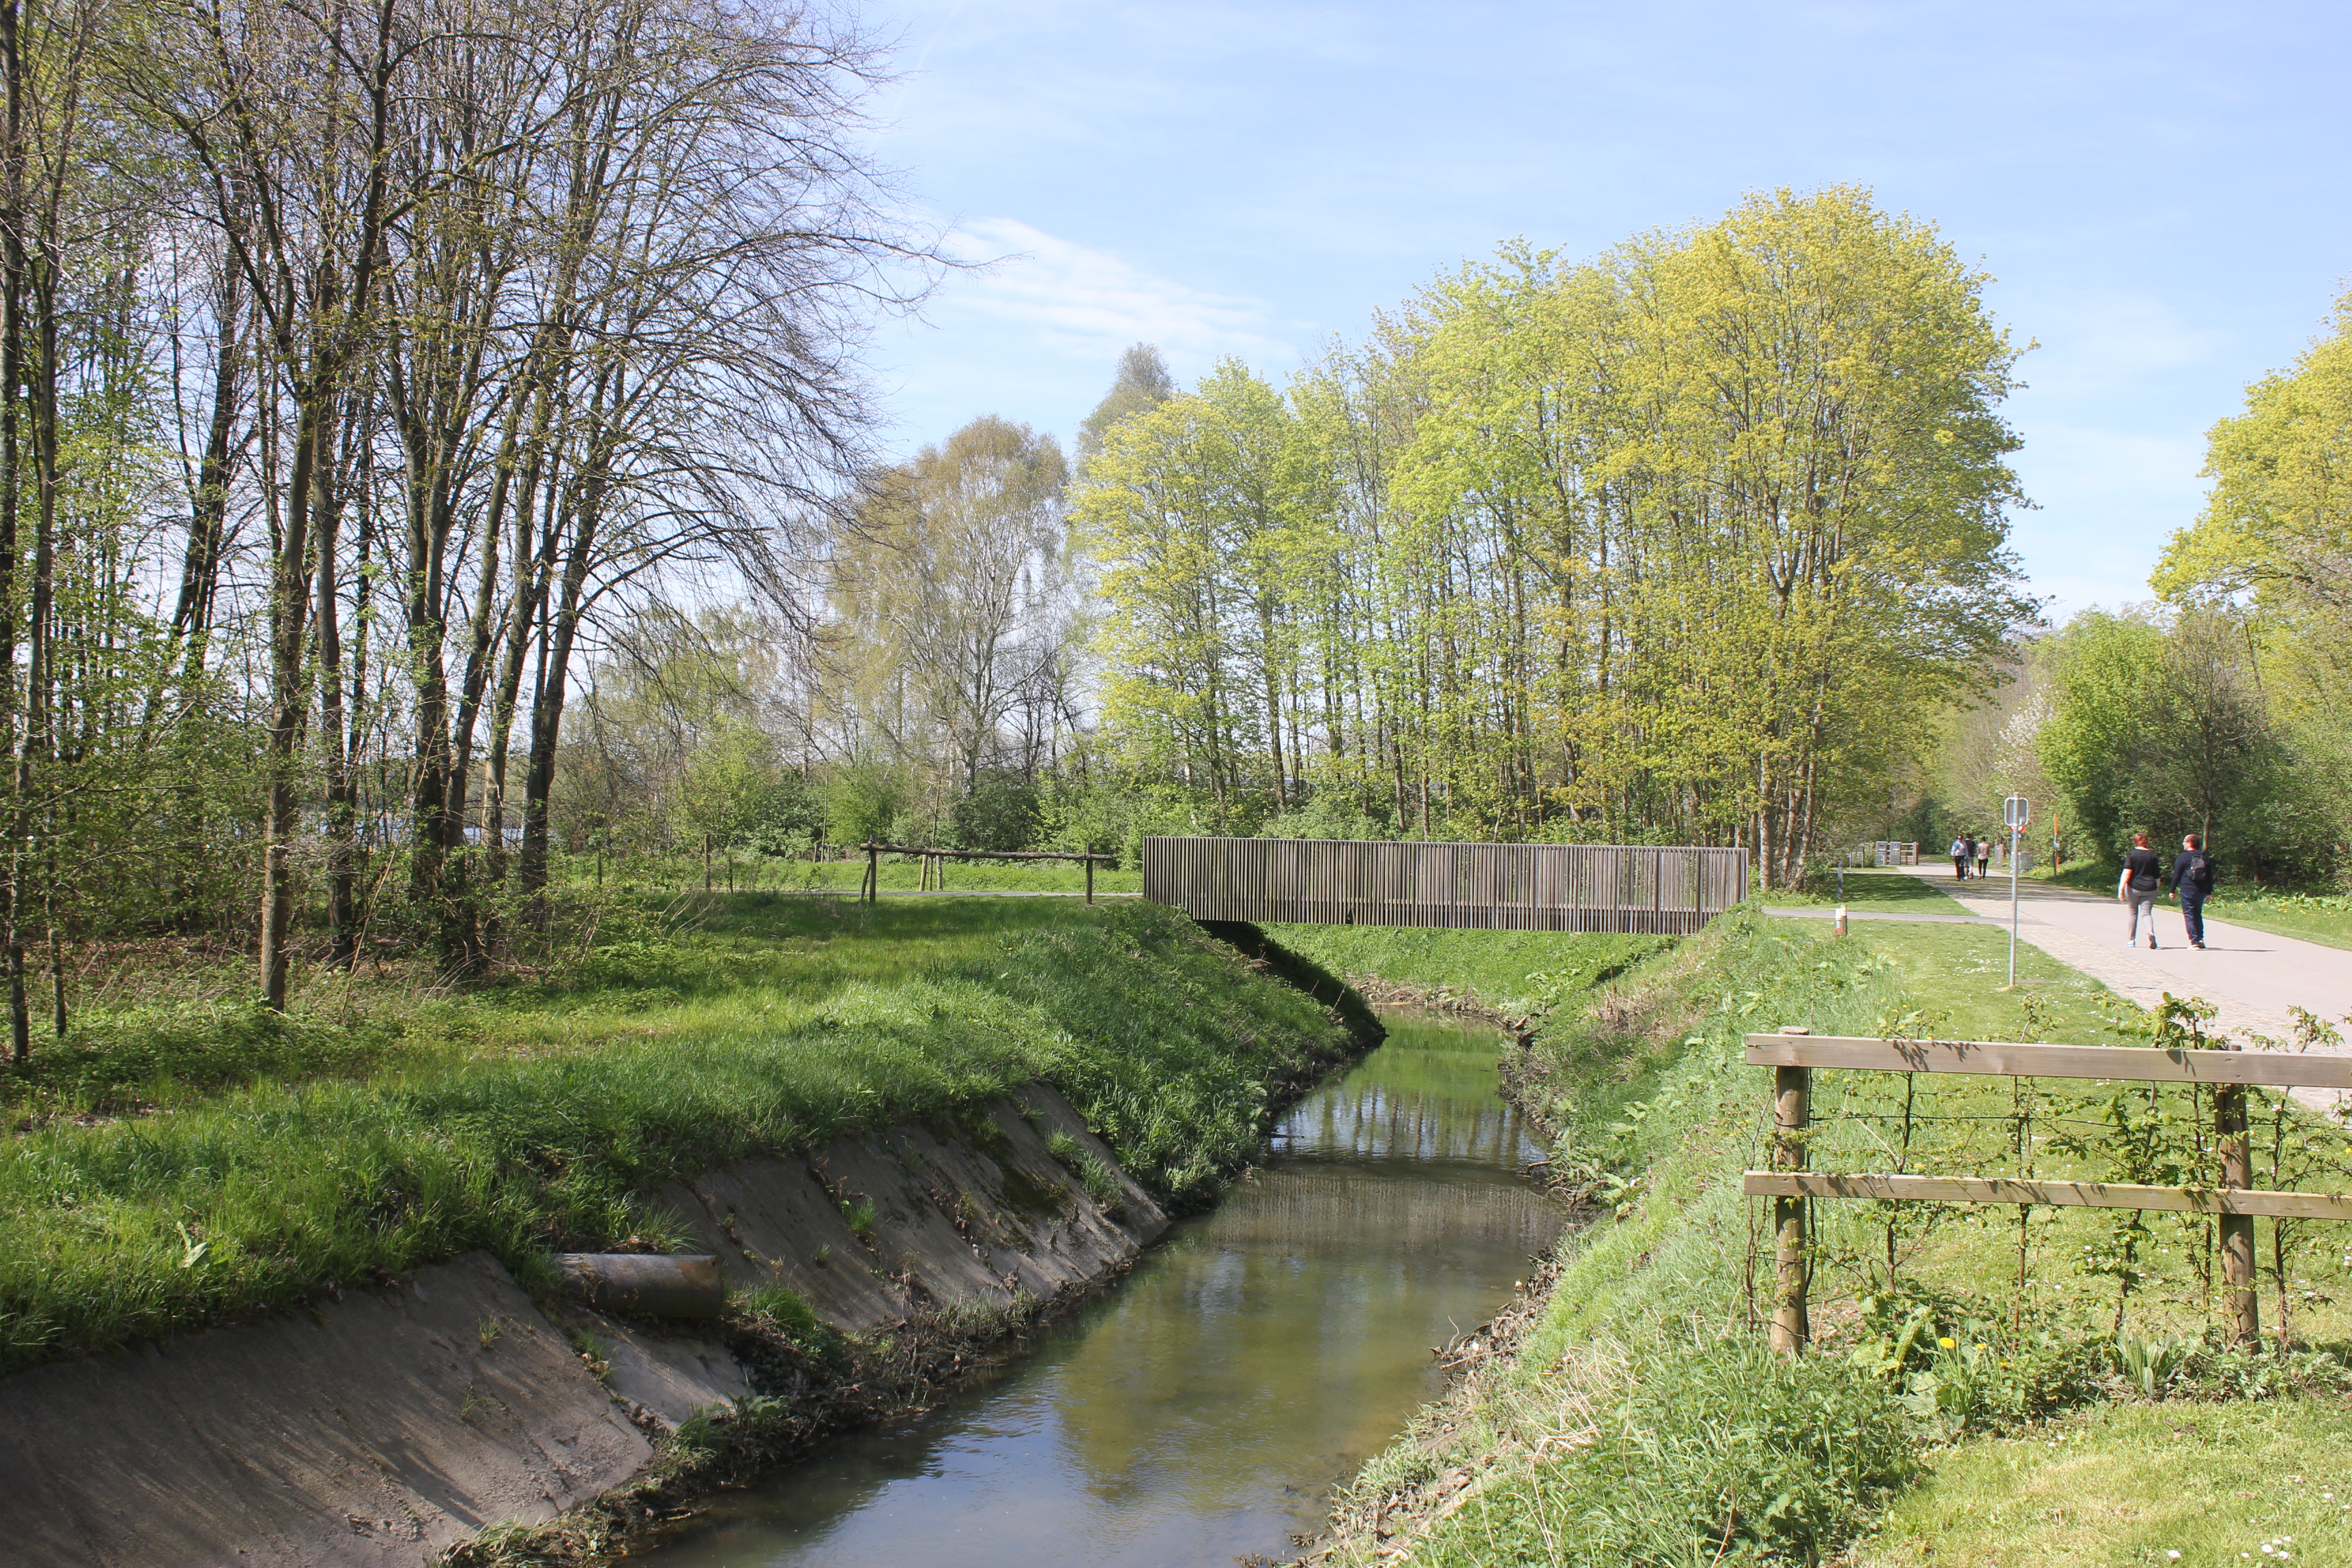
(864, 799)
(1689, 543)
(1140, 383)
(1002, 811)
(2105, 668)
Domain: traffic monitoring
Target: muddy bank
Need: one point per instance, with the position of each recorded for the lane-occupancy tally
(388, 1425)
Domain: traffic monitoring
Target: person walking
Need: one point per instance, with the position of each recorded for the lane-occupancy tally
(1984, 857)
(1960, 859)
(2143, 870)
(2192, 880)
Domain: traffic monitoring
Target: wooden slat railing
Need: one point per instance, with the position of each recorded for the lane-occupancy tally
(1486, 887)
(1795, 1055)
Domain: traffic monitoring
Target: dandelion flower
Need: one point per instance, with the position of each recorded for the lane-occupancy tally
(1944, 1342)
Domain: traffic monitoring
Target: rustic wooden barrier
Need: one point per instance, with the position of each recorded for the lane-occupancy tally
(871, 887)
(1485, 886)
(1793, 1056)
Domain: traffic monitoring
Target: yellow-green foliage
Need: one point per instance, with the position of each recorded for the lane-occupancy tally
(1698, 531)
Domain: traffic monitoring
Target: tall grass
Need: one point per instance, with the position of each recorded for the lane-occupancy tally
(551, 1135)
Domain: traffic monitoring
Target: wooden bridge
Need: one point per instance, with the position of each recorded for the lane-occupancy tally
(1484, 887)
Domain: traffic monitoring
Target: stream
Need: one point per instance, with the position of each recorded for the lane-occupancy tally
(1204, 1409)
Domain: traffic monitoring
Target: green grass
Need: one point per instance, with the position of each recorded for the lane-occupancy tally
(2131, 1484)
(172, 1033)
(1639, 1423)
(1520, 974)
(1876, 891)
(538, 1120)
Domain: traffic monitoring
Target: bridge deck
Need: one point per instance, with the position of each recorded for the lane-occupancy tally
(1489, 887)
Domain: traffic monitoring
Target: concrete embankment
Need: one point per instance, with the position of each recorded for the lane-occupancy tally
(389, 1423)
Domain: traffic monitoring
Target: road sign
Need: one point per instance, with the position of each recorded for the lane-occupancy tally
(2013, 813)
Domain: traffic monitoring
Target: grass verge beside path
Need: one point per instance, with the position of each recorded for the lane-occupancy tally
(1642, 1421)
(768, 1029)
(1874, 891)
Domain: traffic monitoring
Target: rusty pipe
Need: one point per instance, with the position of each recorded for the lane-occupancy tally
(644, 1283)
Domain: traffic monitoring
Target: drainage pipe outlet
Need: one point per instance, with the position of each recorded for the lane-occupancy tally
(644, 1283)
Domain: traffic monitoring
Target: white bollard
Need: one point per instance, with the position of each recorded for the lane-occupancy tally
(1840, 920)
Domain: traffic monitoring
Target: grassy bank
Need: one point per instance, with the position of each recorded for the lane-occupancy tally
(1640, 1420)
(1511, 973)
(344, 1145)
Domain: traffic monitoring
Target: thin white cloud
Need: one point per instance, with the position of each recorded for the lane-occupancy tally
(2100, 341)
(1089, 304)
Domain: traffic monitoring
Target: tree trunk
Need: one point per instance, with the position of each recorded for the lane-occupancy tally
(289, 601)
(12, 378)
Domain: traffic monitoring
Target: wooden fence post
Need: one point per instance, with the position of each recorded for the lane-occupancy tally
(1090, 879)
(2237, 1229)
(873, 872)
(1792, 1095)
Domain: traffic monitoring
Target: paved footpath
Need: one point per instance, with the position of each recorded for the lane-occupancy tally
(2250, 976)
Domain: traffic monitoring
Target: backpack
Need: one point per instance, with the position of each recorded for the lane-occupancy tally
(2201, 873)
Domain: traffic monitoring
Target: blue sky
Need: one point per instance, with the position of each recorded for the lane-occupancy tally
(2163, 192)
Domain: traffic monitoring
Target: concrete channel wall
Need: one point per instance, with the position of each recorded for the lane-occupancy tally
(384, 1426)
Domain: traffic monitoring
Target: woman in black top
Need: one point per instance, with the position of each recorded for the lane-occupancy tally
(2142, 870)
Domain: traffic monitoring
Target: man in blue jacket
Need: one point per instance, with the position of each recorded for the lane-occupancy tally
(2192, 880)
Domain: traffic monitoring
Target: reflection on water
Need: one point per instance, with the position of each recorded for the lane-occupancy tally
(1203, 1410)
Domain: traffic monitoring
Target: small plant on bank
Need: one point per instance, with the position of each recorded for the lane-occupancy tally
(1101, 1186)
(784, 1312)
(2150, 1366)
(590, 1351)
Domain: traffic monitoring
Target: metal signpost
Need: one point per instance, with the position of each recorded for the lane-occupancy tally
(2013, 813)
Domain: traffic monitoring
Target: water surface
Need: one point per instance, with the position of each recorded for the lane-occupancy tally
(1202, 1410)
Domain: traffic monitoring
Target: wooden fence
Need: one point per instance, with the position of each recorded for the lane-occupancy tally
(1793, 1056)
(1484, 886)
(935, 864)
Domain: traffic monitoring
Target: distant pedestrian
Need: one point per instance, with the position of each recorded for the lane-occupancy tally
(2192, 880)
(1960, 851)
(1984, 857)
(2137, 889)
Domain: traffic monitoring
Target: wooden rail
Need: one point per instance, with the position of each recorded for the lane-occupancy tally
(2061, 1194)
(1793, 1056)
(2009, 1058)
(1489, 887)
(871, 887)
